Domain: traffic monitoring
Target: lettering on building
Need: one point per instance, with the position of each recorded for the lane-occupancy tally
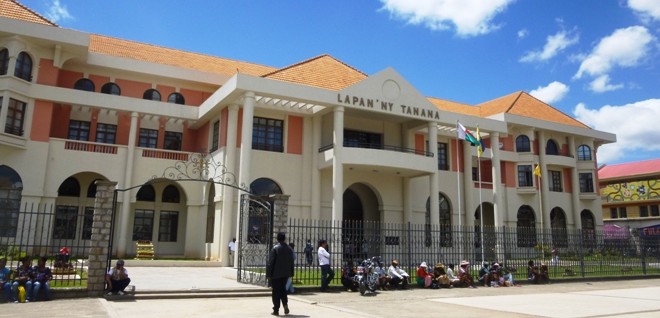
(408, 110)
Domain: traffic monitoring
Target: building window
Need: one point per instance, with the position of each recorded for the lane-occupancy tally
(78, 130)
(362, 139)
(210, 213)
(4, 61)
(176, 98)
(643, 211)
(110, 88)
(613, 214)
(66, 218)
(525, 176)
(588, 228)
(70, 187)
(555, 181)
(586, 183)
(106, 133)
(584, 153)
(654, 210)
(11, 188)
(88, 221)
(259, 219)
(173, 140)
(526, 227)
(146, 193)
(143, 225)
(215, 139)
(23, 67)
(84, 84)
(151, 94)
(167, 226)
(171, 194)
(443, 156)
(551, 148)
(15, 117)
(522, 144)
(623, 213)
(148, 138)
(475, 173)
(558, 226)
(267, 134)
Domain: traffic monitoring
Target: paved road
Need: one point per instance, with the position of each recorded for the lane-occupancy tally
(638, 298)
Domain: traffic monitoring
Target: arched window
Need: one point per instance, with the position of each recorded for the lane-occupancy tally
(110, 88)
(151, 94)
(4, 61)
(558, 227)
(588, 228)
(11, 188)
(84, 84)
(69, 188)
(522, 144)
(264, 187)
(171, 194)
(146, 193)
(176, 98)
(91, 190)
(444, 209)
(210, 213)
(526, 227)
(551, 148)
(23, 67)
(584, 153)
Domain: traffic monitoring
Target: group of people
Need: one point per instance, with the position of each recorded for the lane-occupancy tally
(444, 276)
(24, 284)
(537, 274)
(495, 275)
(394, 277)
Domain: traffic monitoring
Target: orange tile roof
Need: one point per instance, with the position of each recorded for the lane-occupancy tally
(15, 10)
(454, 107)
(166, 56)
(523, 104)
(323, 71)
(629, 169)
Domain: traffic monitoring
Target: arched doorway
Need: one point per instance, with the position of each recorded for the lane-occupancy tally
(526, 227)
(11, 188)
(489, 236)
(588, 228)
(558, 227)
(444, 209)
(360, 225)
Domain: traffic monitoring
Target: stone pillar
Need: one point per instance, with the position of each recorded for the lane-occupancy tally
(245, 161)
(280, 213)
(434, 178)
(338, 165)
(224, 218)
(124, 217)
(101, 236)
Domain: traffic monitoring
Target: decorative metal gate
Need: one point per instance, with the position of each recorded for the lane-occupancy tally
(256, 238)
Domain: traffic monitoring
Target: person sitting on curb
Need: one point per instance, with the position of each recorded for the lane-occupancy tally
(464, 276)
(24, 277)
(383, 278)
(398, 276)
(42, 276)
(424, 278)
(348, 277)
(440, 276)
(453, 279)
(5, 277)
(117, 279)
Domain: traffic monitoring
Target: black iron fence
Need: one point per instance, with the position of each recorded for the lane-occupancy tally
(569, 254)
(60, 233)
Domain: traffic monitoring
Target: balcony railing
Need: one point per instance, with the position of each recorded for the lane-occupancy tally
(90, 147)
(165, 154)
(381, 147)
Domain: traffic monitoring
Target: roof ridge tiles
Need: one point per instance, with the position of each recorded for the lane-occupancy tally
(36, 14)
(310, 60)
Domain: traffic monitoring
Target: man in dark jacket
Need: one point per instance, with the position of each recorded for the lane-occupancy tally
(278, 271)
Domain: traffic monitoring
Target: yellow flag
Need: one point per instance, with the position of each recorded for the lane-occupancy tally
(537, 170)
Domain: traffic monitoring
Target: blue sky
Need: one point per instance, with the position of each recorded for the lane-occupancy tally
(595, 60)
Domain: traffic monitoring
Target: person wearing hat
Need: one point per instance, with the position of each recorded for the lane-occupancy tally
(398, 275)
(464, 276)
(424, 278)
(117, 279)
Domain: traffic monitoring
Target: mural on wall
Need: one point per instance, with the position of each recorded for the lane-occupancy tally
(631, 191)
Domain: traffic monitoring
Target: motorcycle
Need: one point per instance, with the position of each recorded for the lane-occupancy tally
(366, 276)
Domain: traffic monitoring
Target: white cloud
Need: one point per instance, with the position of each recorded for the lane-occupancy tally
(646, 8)
(624, 48)
(523, 33)
(470, 17)
(635, 126)
(552, 93)
(553, 45)
(602, 84)
(57, 12)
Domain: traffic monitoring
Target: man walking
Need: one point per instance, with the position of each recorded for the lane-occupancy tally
(278, 271)
(327, 274)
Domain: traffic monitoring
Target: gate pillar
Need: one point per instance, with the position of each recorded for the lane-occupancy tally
(280, 213)
(101, 235)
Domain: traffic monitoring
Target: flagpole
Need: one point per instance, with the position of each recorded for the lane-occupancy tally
(460, 197)
(481, 211)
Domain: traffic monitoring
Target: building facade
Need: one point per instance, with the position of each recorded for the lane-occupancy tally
(343, 145)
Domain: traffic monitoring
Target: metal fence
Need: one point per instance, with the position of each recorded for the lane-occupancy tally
(42, 231)
(570, 254)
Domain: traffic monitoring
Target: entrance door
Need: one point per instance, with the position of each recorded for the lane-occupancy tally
(360, 226)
